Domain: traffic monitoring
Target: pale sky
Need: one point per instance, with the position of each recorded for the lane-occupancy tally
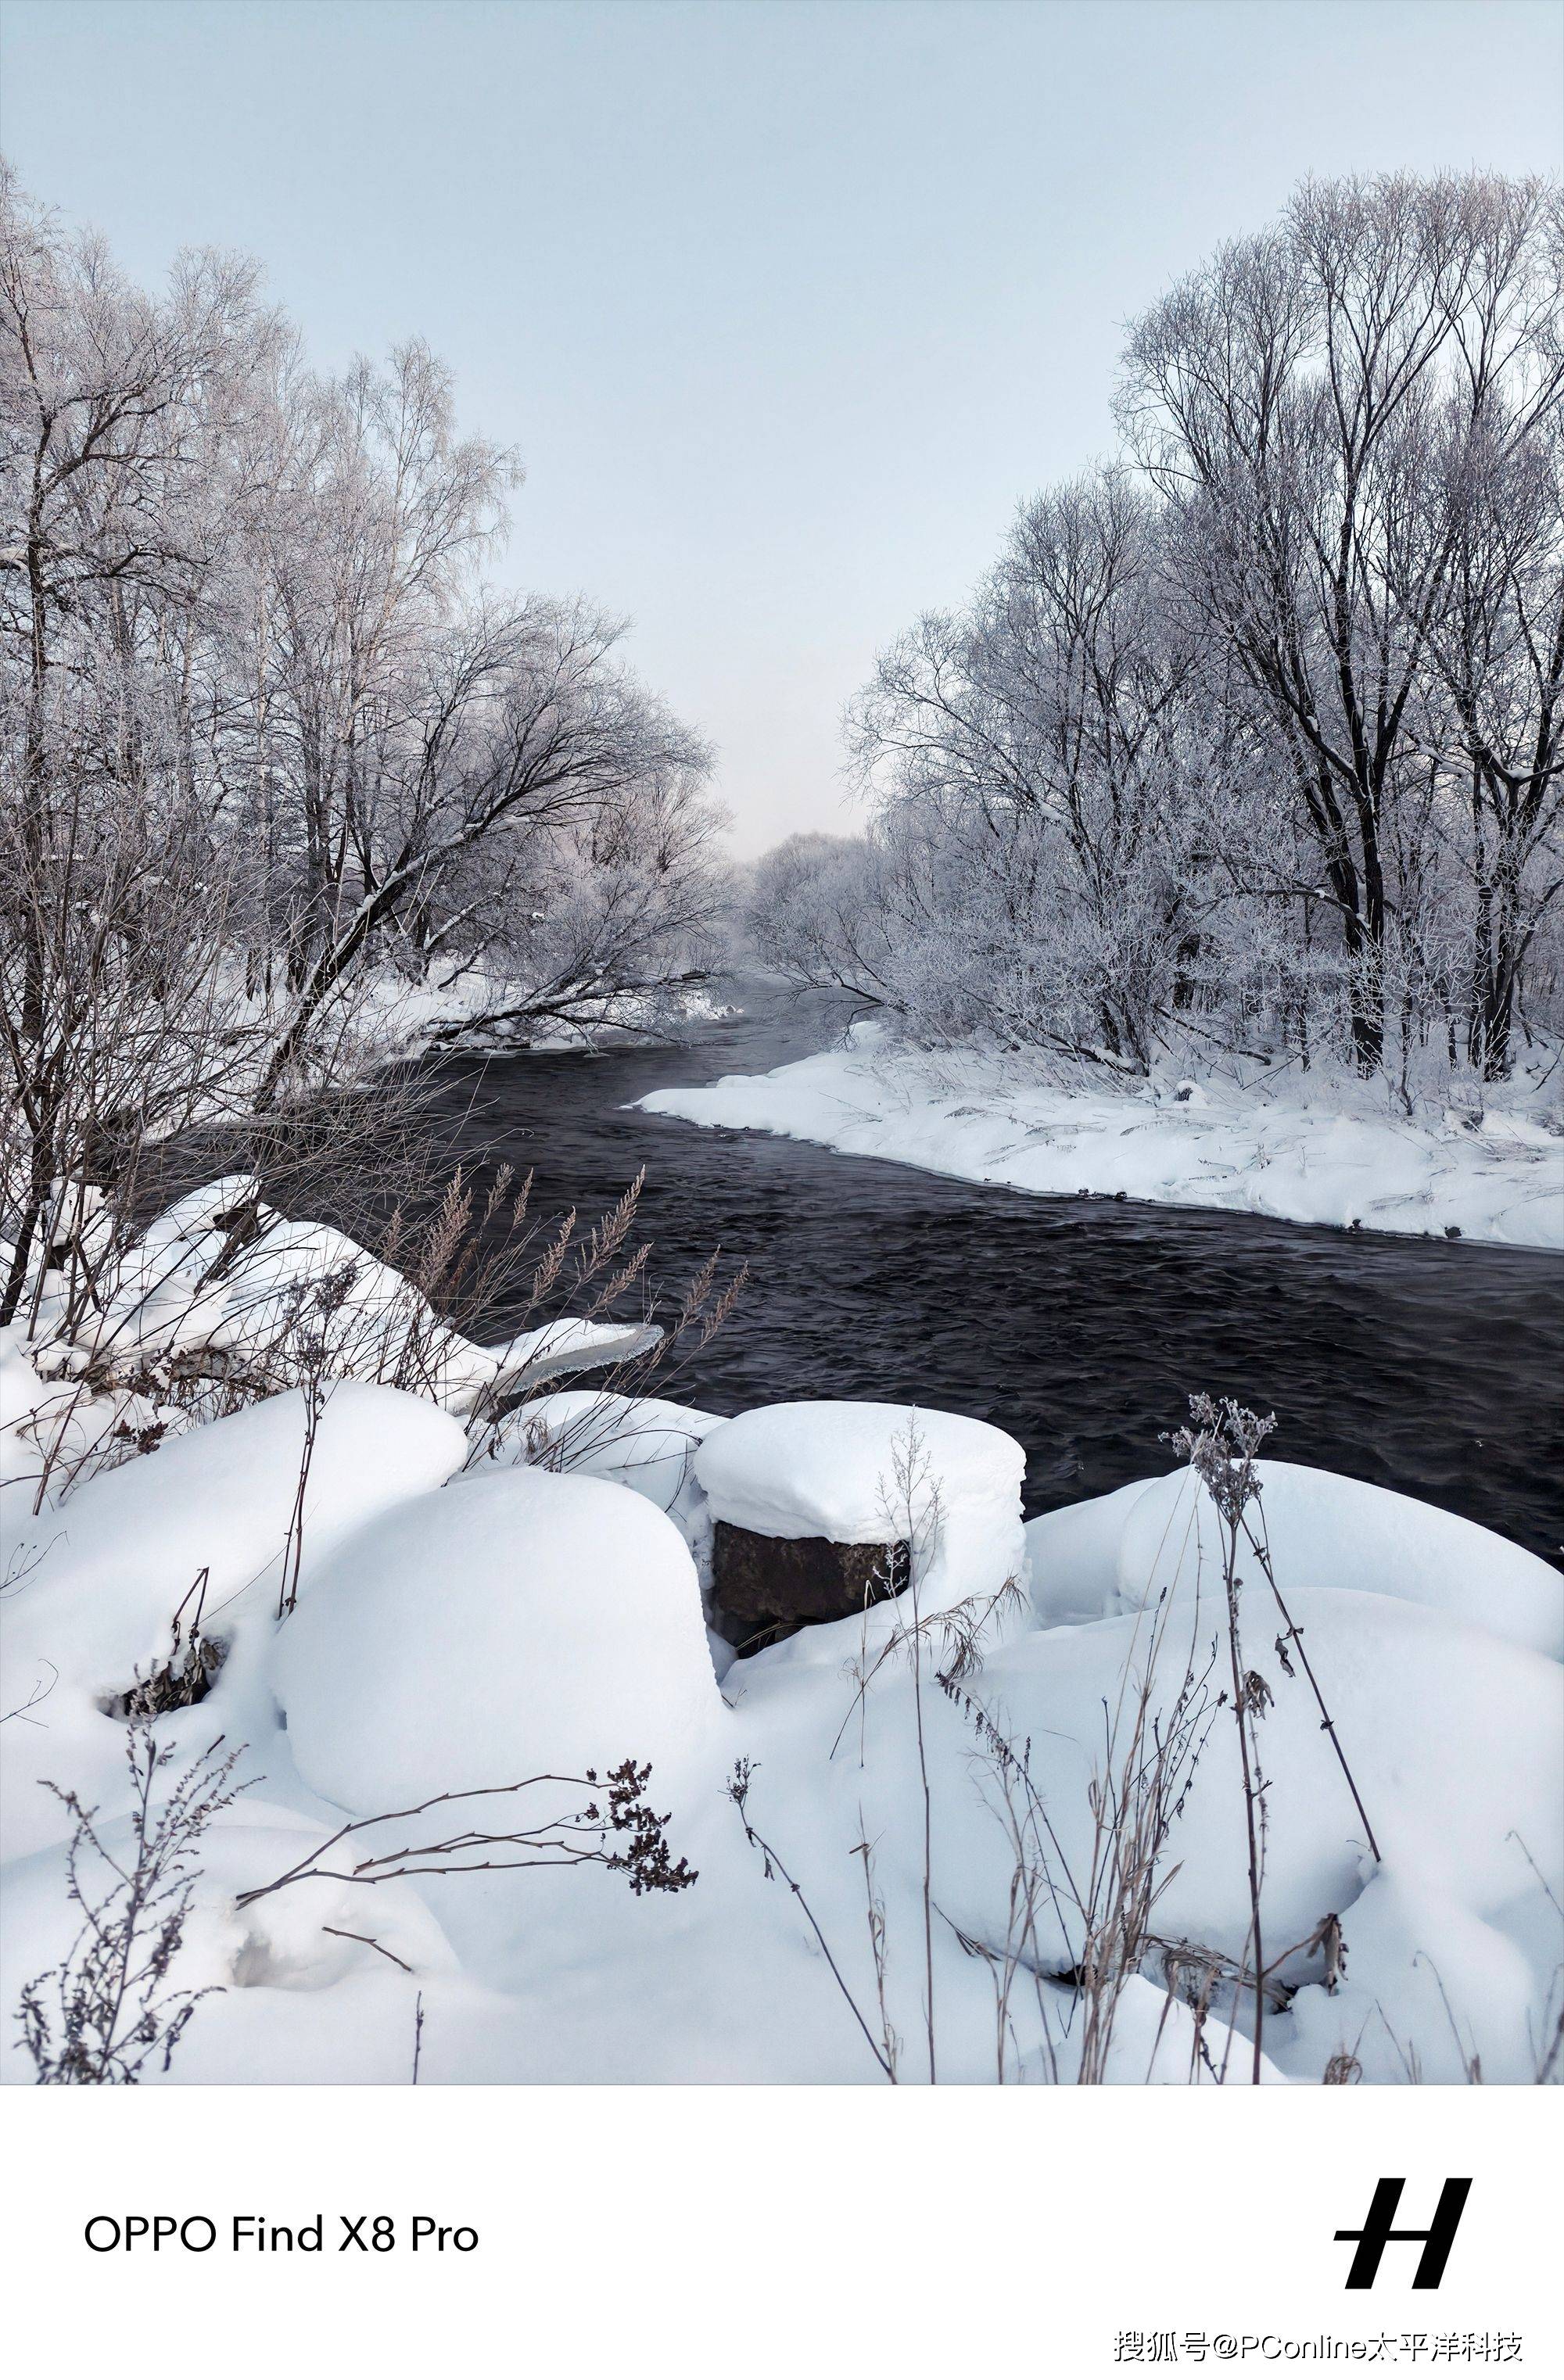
(786, 303)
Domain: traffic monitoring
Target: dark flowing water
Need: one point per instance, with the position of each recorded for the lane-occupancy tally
(1079, 1326)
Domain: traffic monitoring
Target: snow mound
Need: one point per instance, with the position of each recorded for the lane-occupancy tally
(854, 1473)
(57, 1432)
(1452, 1736)
(316, 1983)
(514, 1623)
(646, 1443)
(99, 1582)
(221, 1270)
(1325, 1531)
(1072, 1556)
(103, 1575)
(1427, 1990)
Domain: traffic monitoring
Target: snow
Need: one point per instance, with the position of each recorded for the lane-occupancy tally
(646, 1443)
(1072, 1556)
(1404, 1686)
(1312, 1151)
(306, 1276)
(516, 1622)
(1153, 1538)
(224, 1273)
(298, 2003)
(99, 1581)
(1153, 2041)
(479, 1601)
(857, 1473)
(1399, 1683)
(51, 1432)
(567, 1345)
(407, 1019)
(1408, 2010)
(221, 1285)
(1322, 1531)
(114, 1562)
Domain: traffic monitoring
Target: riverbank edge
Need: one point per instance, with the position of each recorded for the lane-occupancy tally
(474, 1018)
(1329, 1160)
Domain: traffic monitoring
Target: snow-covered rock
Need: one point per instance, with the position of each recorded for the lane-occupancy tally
(515, 1622)
(857, 1473)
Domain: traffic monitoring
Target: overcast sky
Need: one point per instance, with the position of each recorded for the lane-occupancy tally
(786, 303)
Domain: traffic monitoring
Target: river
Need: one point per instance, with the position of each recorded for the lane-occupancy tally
(1081, 1326)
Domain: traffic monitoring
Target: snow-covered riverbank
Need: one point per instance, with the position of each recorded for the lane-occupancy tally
(1268, 1146)
(491, 1013)
(429, 1644)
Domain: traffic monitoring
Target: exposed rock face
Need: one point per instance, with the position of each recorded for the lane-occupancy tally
(774, 1586)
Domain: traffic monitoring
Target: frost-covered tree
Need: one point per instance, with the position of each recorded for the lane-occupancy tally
(1322, 408)
(1046, 768)
(116, 897)
(1252, 741)
(817, 912)
(264, 733)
